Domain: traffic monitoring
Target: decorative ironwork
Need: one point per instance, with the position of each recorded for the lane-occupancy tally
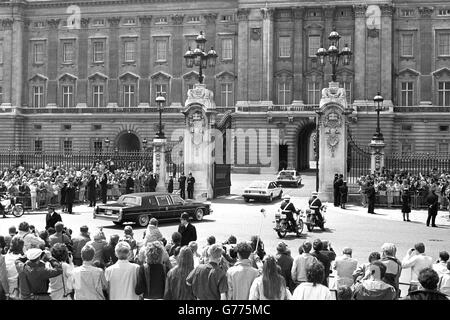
(418, 163)
(358, 160)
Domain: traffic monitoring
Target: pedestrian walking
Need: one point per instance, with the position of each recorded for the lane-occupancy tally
(406, 203)
(104, 188)
(433, 205)
(182, 185)
(343, 190)
(170, 185)
(190, 186)
(187, 230)
(129, 187)
(335, 190)
(370, 198)
(91, 191)
(70, 197)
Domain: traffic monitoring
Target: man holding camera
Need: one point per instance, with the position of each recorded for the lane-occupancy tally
(417, 261)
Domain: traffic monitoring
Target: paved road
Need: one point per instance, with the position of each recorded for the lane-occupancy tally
(352, 227)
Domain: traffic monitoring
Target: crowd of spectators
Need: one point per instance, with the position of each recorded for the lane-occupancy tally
(391, 184)
(60, 265)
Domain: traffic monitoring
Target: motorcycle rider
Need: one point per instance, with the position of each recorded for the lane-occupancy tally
(315, 204)
(288, 206)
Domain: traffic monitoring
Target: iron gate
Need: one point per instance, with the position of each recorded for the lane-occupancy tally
(358, 161)
(221, 179)
(416, 163)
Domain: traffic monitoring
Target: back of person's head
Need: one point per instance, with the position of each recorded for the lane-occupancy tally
(87, 253)
(122, 250)
(99, 235)
(185, 260)
(193, 246)
(114, 239)
(243, 250)
(232, 240)
(154, 222)
(51, 231)
(59, 227)
(273, 281)
(374, 256)
(317, 245)
(185, 216)
(215, 252)
(16, 245)
(348, 251)
(315, 273)
(325, 244)
(211, 240)
(176, 251)
(344, 293)
(59, 252)
(128, 230)
(443, 256)
(84, 229)
(381, 267)
(154, 252)
(388, 250)
(12, 230)
(24, 226)
(420, 247)
(176, 238)
(428, 279)
(307, 246)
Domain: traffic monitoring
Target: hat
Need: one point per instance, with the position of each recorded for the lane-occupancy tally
(185, 216)
(314, 193)
(286, 197)
(128, 230)
(33, 254)
(282, 247)
(84, 228)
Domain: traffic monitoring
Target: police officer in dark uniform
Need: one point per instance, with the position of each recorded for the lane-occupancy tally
(370, 198)
(315, 204)
(433, 204)
(288, 206)
(182, 184)
(336, 194)
(190, 186)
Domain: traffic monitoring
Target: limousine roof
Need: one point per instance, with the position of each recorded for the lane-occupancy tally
(147, 194)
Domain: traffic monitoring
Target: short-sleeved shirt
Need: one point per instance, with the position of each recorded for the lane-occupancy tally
(208, 281)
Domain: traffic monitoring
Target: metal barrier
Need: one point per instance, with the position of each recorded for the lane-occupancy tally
(418, 163)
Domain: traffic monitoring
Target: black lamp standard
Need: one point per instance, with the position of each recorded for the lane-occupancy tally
(333, 53)
(107, 142)
(160, 101)
(199, 57)
(378, 99)
(144, 143)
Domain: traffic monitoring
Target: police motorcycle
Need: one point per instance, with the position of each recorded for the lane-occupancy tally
(283, 225)
(312, 220)
(9, 205)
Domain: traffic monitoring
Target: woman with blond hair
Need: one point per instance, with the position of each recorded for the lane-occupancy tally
(271, 284)
(176, 287)
(151, 275)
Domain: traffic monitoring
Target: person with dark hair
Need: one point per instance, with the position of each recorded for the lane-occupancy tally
(344, 293)
(176, 287)
(441, 265)
(152, 183)
(52, 217)
(190, 186)
(240, 277)
(60, 236)
(78, 243)
(176, 242)
(298, 271)
(406, 202)
(323, 258)
(170, 185)
(209, 281)
(428, 288)
(29, 239)
(370, 197)
(92, 191)
(416, 259)
(258, 253)
(343, 192)
(432, 201)
(129, 184)
(58, 285)
(109, 252)
(187, 230)
(313, 289)
(104, 188)
(271, 284)
(15, 252)
(285, 262)
(362, 272)
(70, 197)
(210, 240)
(393, 266)
(374, 288)
(182, 185)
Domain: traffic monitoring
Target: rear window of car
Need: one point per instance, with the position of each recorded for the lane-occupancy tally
(177, 200)
(130, 200)
(287, 173)
(162, 200)
(258, 185)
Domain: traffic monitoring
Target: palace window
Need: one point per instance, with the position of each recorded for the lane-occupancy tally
(39, 24)
(284, 93)
(38, 52)
(407, 91)
(225, 18)
(284, 46)
(444, 44)
(194, 19)
(68, 52)
(444, 93)
(227, 49)
(313, 92)
(67, 96)
(99, 22)
(313, 45)
(161, 20)
(129, 21)
(38, 96)
(67, 146)
(406, 45)
(443, 13)
(98, 48)
(443, 147)
(443, 128)
(226, 94)
(406, 148)
(161, 50)
(407, 12)
(128, 95)
(37, 145)
(130, 51)
(161, 90)
(406, 127)
(98, 96)
(98, 146)
(347, 85)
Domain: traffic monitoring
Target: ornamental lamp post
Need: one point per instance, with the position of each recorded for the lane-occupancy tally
(160, 101)
(333, 54)
(199, 58)
(144, 143)
(378, 99)
(107, 142)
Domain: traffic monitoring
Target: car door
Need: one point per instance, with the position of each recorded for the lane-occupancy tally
(164, 207)
(276, 190)
(178, 205)
(272, 190)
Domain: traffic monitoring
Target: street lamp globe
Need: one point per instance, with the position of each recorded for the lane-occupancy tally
(378, 99)
(212, 57)
(334, 36)
(160, 100)
(346, 53)
(198, 54)
(321, 53)
(201, 40)
(204, 60)
(189, 58)
(333, 54)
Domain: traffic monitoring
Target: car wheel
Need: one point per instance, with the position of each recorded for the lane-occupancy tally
(17, 211)
(143, 220)
(199, 214)
(246, 199)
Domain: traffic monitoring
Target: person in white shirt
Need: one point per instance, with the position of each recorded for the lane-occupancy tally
(313, 289)
(122, 276)
(444, 281)
(416, 260)
(345, 265)
(441, 265)
(194, 248)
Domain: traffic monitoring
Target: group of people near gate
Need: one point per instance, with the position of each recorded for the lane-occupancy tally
(58, 264)
(64, 186)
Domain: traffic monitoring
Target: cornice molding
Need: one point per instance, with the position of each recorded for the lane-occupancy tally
(387, 10)
(360, 10)
(177, 19)
(114, 21)
(328, 11)
(210, 17)
(242, 14)
(299, 12)
(145, 20)
(7, 23)
(426, 12)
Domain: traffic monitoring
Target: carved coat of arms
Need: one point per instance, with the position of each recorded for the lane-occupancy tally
(332, 123)
(255, 34)
(197, 124)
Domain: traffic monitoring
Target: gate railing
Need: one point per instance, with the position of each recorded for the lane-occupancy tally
(416, 163)
(358, 160)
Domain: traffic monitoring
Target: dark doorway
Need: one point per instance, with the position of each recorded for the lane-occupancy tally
(304, 147)
(282, 156)
(128, 142)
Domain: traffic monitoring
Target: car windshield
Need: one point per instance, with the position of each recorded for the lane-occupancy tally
(258, 185)
(129, 200)
(287, 173)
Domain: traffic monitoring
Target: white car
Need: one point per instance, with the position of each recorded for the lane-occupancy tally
(289, 178)
(262, 190)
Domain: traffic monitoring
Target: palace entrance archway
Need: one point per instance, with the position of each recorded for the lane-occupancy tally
(305, 147)
(128, 142)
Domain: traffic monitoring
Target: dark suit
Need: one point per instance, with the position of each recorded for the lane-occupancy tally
(343, 190)
(70, 198)
(335, 191)
(52, 219)
(188, 234)
(326, 262)
(371, 199)
(190, 187)
(92, 192)
(129, 188)
(182, 183)
(433, 204)
(152, 184)
(104, 189)
(170, 186)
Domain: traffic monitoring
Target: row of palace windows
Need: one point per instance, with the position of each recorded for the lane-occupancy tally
(407, 44)
(129, 47)
(66, 145)
(314, 43)
(441, 147)
(313, 89)
(407, 93)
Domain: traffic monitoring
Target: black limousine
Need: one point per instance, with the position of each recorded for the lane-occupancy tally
(141, 207)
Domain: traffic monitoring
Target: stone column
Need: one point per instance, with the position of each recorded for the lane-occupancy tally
(52, 62)
(386, 53)
(360, 52)
(426, 52)
(376, 155)
(210, 34)
(113, 59)
(144, 61)
(298, 57)
(8, 57)
(17, 61)
(178, 51)
(267, 54)
(159, 162)
(242, 56)
(328, 13)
